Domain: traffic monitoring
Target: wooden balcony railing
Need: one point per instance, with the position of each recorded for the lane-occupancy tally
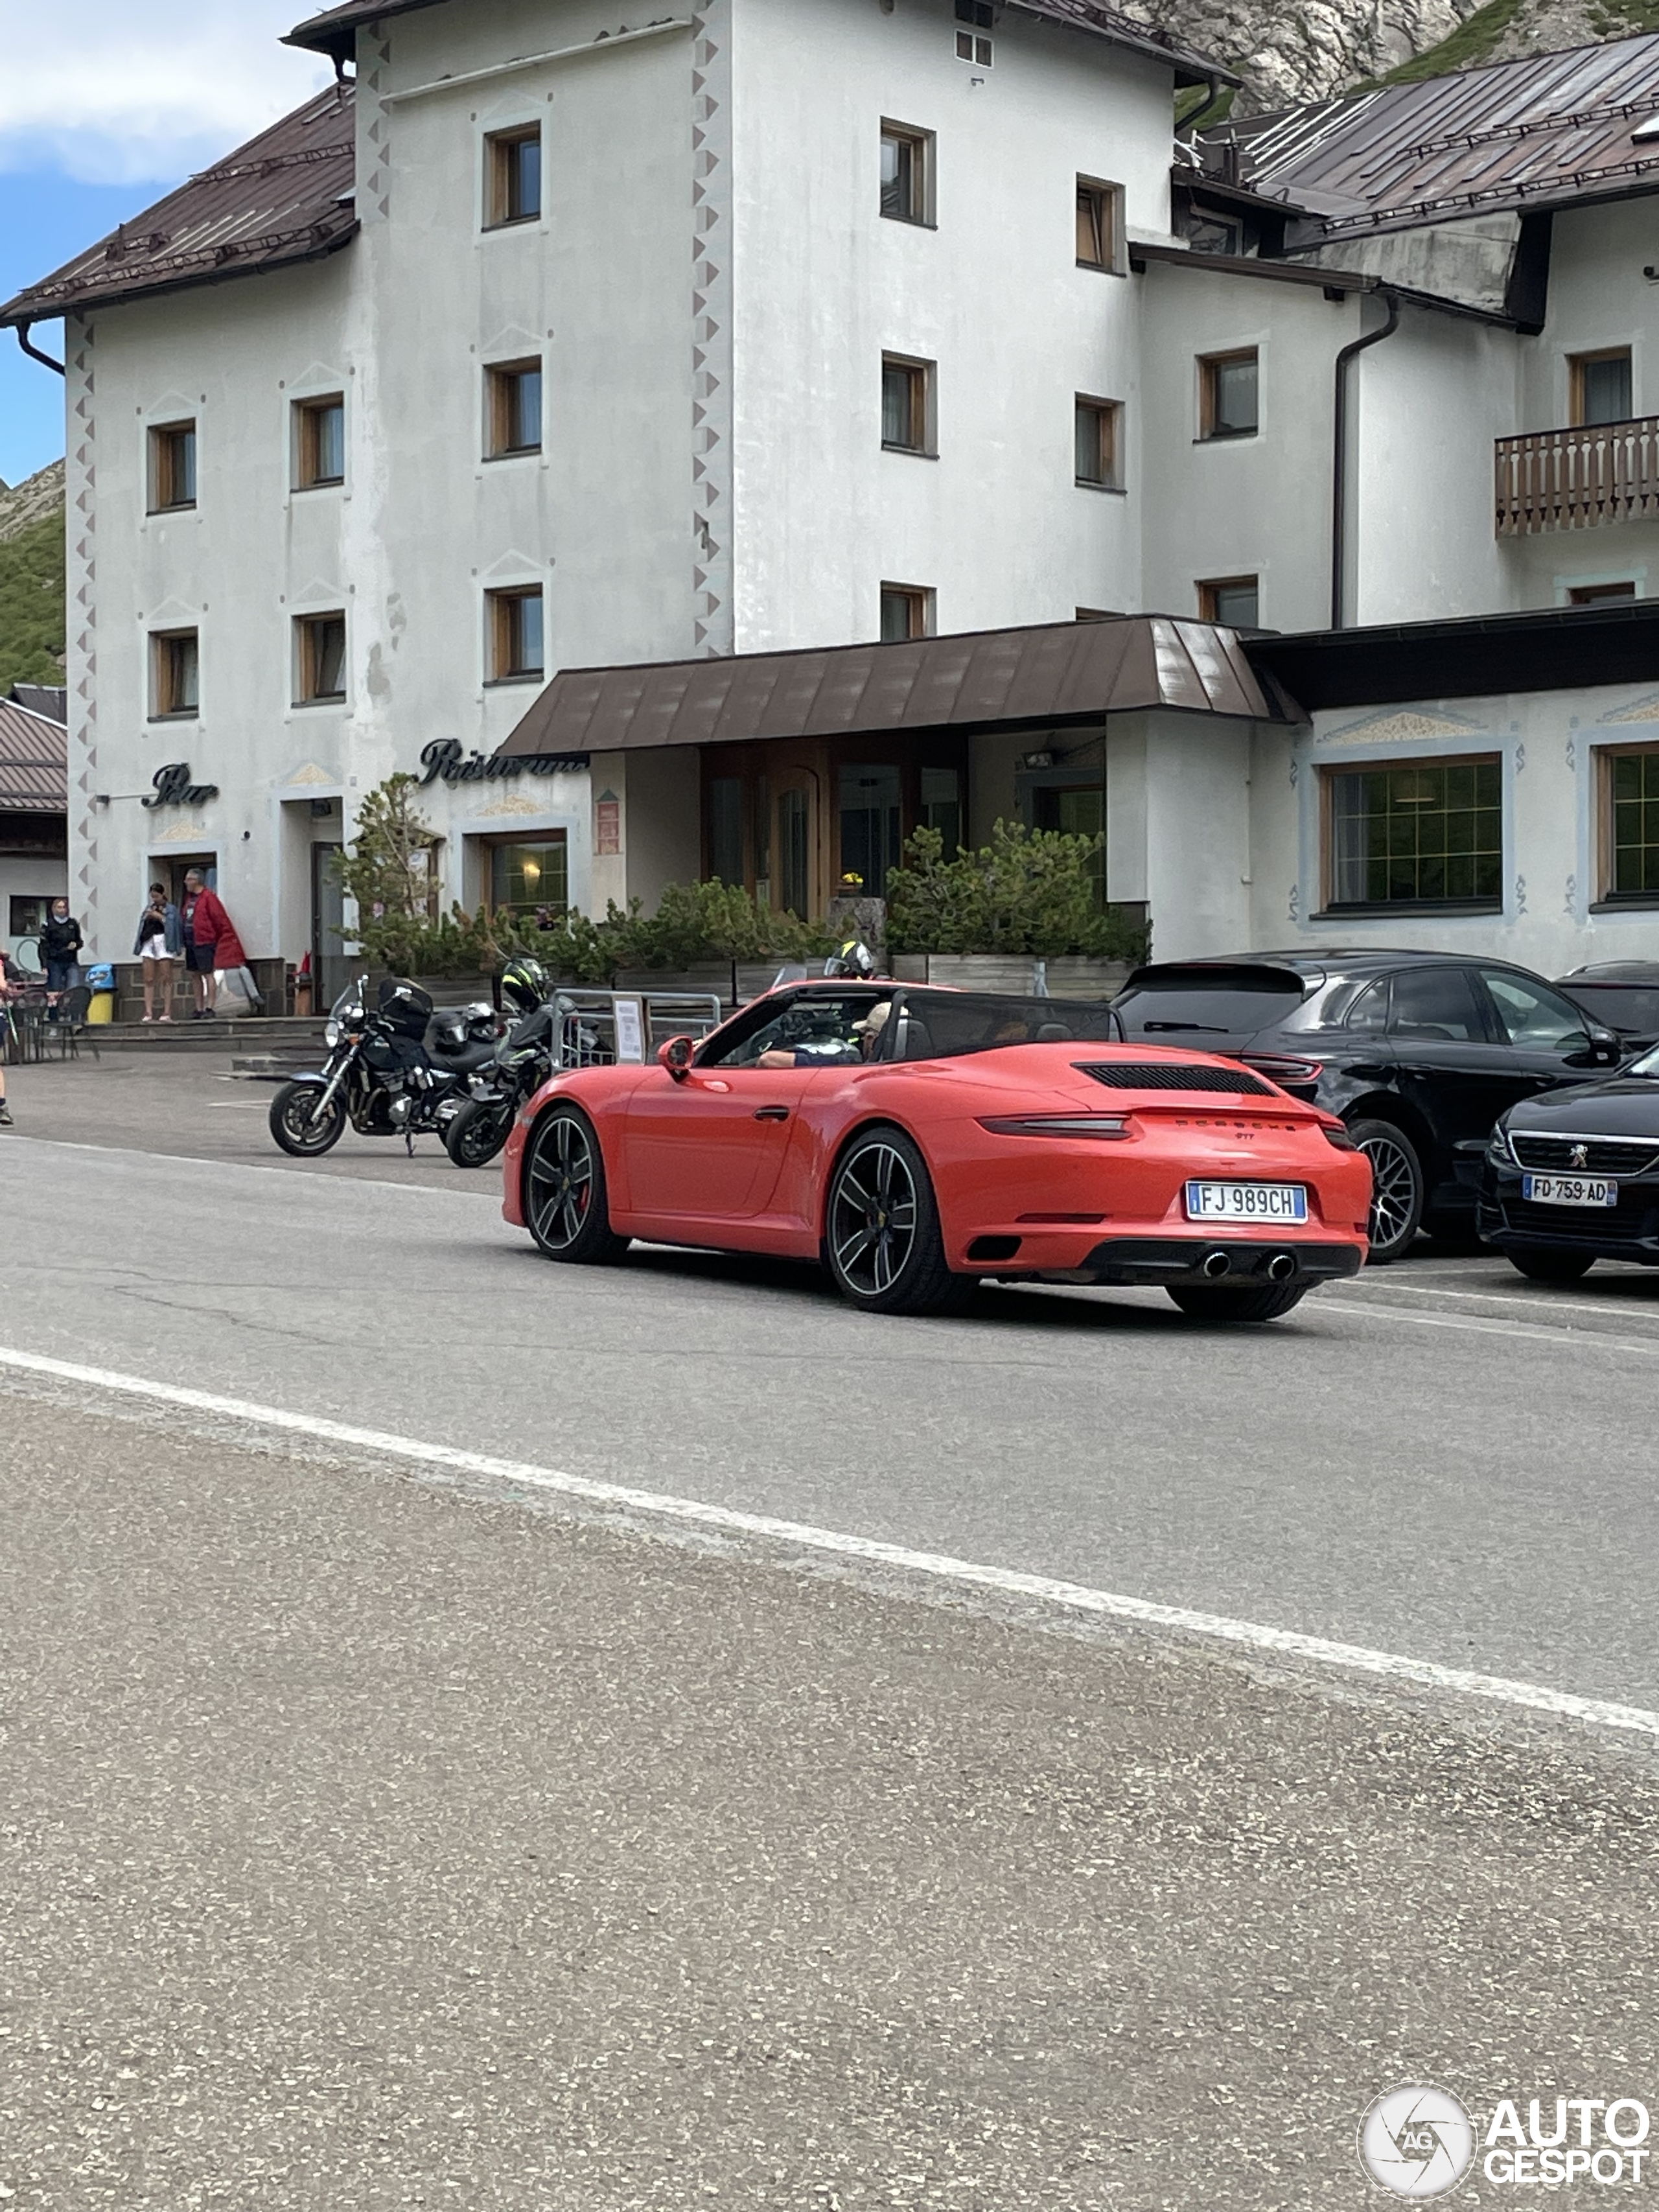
(1570, 479)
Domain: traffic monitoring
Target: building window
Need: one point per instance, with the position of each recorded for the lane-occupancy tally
(1098, 224)
(1594, 595)
(1227, 395)
(320, 659)
(972, 45)
(1427, 835)
(1096, 442)
(524, 877)
(175, 673)
(513, 390)
(906, 405)
(516, 651)
(907, 610)
(1599, 386)
(512, 177)
(318, 442)
(1630, 822)
(907, 173)
(1233, 602)
(172, 466)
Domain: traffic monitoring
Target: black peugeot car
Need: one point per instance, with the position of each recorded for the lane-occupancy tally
(1419, 1053)
(1573, 1178)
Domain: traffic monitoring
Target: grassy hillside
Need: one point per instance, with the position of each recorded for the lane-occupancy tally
(32, 615)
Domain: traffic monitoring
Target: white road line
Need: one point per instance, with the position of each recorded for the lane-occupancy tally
(490, 1187)
(1523, 1299)
(937, 1566)
(1538, 1333)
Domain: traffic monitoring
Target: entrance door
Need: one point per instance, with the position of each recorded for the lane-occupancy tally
(329, 964)
(872, 823)
(795, 873)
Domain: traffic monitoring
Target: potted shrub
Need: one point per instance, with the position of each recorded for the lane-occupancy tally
(1017, 914)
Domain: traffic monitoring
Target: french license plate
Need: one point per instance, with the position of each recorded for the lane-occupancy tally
(1569, 1190)
(1246, 1201)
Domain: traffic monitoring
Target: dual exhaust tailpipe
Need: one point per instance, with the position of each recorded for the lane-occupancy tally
(1279, 1269)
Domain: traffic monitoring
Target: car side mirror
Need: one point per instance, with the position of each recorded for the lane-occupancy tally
(676, 1057)
(1603, 1047)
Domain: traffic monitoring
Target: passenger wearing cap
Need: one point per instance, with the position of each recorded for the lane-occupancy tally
(833, 1052)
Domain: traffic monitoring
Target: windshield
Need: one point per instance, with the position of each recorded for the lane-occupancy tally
(1632, 1009)
(1647, 1064)
(943, 1025)
(350, 1004)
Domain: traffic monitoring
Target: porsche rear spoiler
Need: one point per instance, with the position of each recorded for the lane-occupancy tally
(1222, 975)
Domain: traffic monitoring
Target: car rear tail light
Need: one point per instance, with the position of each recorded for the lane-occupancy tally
(1284, 1067)
(1056, 1125)
(1334, 1133)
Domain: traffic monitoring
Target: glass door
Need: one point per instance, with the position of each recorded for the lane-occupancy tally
(1080, 812)
(795, 845)
(329, 964)
(872, 823)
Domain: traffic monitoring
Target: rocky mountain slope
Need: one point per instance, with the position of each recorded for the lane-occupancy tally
(1323, 47)
(31, 612)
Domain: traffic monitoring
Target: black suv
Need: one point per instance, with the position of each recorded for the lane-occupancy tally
(1419, 1052)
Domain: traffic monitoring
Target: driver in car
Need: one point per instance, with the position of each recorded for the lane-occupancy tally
(832, 1051)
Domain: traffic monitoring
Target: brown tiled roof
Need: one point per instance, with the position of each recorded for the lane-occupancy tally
(33, 763)
(1060, 673)
(335, 31)
(285, 197)
(1537, 133)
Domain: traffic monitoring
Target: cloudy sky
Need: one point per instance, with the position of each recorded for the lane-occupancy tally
(104, 105)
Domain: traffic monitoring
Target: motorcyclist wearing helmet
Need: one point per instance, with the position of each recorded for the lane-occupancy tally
(527, 991)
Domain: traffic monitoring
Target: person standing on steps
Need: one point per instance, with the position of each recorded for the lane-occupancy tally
(157, 945)
(60, 947)
(211, 944)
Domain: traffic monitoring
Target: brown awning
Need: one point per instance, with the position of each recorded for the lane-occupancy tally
(1039, 679)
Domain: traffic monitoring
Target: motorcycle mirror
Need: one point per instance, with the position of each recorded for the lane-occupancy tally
(676, 1057)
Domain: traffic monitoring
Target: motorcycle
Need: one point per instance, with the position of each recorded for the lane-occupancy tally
(520, 1063)
(398, 1071)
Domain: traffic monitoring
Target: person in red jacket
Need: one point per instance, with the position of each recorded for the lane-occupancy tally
(211, 944)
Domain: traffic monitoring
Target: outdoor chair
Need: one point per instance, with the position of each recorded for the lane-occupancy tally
(72, 1024)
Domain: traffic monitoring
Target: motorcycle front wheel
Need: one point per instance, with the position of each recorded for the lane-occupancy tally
(297, 1125)
(476, 1132)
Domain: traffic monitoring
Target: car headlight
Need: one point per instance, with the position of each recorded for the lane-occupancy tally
(1497, 1149)
(331, 1032)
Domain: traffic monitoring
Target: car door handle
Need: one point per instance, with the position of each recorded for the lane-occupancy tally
(771, 1113)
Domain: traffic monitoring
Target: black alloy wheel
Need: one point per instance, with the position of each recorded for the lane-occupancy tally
(1397, 1187)
(882, 1241)
(298, 1127)
(564, 1199)
(1210, 1302)
(1551, 1267)
(476, 1132)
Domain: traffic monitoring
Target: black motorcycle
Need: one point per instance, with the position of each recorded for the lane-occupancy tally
(522, 1062)
(397, 1071)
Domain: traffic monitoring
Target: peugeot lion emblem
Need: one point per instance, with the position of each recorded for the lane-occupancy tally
(1580, 1157)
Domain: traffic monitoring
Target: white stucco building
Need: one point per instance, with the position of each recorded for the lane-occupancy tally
(551, 340)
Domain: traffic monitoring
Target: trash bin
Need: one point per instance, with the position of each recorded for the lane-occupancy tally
(100, 982)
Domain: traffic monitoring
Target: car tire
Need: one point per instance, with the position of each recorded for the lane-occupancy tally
(1552, 1267)
(565, 1206)
(295, 1125)
(882, 1242)
(1397, 1192)
(1210, 1302)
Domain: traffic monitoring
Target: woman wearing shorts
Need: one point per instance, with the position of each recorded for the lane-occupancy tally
(157, 945)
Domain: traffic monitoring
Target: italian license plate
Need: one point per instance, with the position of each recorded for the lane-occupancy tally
(1569, 1190)
(1246, 1201)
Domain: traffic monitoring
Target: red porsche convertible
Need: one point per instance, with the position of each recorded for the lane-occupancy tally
(917, 1140)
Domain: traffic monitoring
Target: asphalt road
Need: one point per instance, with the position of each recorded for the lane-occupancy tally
(369, 1841)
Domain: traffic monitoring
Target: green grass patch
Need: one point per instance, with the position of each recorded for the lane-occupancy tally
(32, 604)
(1472, 43)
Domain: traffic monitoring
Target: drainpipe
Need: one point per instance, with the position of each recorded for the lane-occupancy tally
(1340, 451)
(35, 352)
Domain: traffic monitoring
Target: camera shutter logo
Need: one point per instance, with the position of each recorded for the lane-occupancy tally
(1417, 2141)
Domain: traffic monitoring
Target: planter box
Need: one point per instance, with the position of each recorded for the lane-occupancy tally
(1072, 977)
